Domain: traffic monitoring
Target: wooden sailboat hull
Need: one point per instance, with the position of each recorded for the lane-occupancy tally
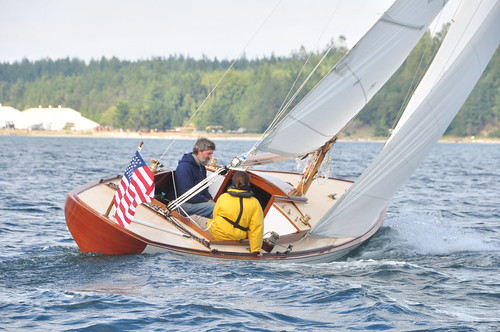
(93, 232)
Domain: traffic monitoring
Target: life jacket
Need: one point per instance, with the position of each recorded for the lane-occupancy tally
(251, 216)
(245, 194)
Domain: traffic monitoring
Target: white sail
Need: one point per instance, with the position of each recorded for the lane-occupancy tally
(353, 81)
(468, 47)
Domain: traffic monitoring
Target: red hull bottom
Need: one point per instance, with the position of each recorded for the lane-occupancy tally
(93, 233)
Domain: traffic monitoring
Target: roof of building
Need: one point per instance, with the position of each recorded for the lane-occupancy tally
(9, 114)
(56, 118)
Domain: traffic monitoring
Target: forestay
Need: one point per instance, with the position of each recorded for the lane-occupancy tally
(468, 47)
(353, 81)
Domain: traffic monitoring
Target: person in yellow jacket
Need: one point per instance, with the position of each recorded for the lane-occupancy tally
(237, 214)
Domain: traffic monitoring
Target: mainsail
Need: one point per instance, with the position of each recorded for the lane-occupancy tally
(468, 47)
(353, 81)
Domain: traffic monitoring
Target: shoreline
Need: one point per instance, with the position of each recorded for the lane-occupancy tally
(214, 136)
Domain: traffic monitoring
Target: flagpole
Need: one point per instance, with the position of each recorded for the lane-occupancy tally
(110, 207)
(113, 199)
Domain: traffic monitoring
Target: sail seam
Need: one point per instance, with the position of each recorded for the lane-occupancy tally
(390, 20)
(308, 126)
(358, 81)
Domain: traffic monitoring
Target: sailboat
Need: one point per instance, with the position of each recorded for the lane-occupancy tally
(306, 220)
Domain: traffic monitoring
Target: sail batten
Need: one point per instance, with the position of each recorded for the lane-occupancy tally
(466, 50)
(342, 93)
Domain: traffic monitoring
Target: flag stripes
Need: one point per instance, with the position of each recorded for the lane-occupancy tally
(136, 187)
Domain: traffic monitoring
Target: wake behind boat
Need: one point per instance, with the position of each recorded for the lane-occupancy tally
(306, 220)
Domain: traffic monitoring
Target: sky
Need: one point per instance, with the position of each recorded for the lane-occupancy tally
(142, 29)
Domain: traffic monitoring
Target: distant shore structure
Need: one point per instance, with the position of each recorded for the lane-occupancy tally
(45, 118)
(10, 117)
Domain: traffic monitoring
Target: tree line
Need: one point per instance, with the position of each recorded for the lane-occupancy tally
(162, 93)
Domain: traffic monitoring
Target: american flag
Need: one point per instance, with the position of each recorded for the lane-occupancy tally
(137, 186)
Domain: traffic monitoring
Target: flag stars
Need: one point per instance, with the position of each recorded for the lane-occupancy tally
(134, 164)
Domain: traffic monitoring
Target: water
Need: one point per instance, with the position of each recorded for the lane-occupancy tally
(434, 265)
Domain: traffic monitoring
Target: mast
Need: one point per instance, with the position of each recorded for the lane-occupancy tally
(312, 168)
(314, 165)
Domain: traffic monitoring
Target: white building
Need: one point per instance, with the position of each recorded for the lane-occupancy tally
(10, 117)
(55, 119)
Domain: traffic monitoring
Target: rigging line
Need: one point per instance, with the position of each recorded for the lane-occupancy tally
(201, 105)
(284, 106)
(452, 54)
(412, 83)
(225, 73)
(316, 46)
(195, 189)
(303, 84)
(168, 217)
